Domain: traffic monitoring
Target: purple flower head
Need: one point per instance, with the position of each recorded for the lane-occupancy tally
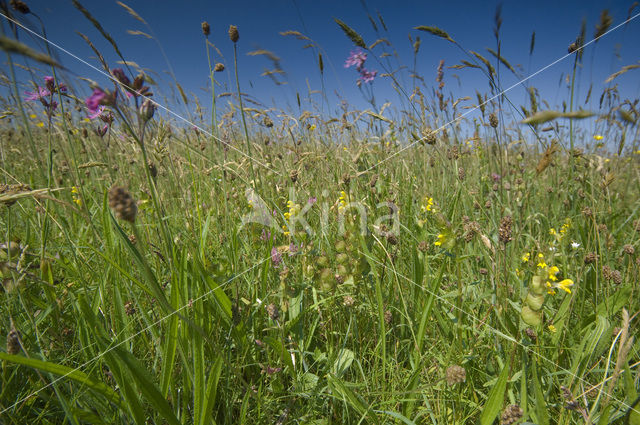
(95, 114)
(367, 76)
(38, 94)
(356, 58)
(495, 177)
(312, 200)
(49, 82)
(93, 101)
(276, 257)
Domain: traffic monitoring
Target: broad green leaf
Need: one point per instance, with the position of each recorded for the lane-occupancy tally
(496, 398)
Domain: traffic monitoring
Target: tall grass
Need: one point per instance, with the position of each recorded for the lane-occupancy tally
(454, 269)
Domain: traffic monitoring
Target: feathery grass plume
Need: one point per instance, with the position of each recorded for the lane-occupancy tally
(497, 22)
(630, 12)
(132, 12)
(532, 43)
(603, 25)
(490, 68)
(234, 35)
(580, 40)
(416, 45)
(296, 34)
(14, 46)
(95, 50)
(19, 6)
(626, 116)
(381, 21)
(532, 100)
(546, 116)
(123, 204)
(352, 34)
(547, 156)
(98, 26)
(435, 31)
(182, 94)
(502, 60)
(142, 33)
(623, 70)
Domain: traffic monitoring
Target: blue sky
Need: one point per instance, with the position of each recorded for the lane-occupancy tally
(176, 25)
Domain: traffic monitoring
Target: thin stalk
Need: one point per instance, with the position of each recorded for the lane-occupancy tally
(244, 122)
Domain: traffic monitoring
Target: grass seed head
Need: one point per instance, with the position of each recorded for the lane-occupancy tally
(219, 67)
(206, 29)
(233, 33)
(455, 375)
(13, 342)
(123, 204)
(511, 414)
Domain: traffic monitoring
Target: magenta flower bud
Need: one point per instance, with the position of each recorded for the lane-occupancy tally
(120, 76)
(49, 83)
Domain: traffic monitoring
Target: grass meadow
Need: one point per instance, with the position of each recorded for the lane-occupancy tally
(439, 261)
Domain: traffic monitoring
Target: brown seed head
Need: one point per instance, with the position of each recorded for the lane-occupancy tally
(206, 29)
(123, 204)
(455, 375)
(219, 67)
(511, 414)
(19, 6)
(13, 342)
(616, 277)
(590, 258)
(273, 312)
(233, 33)
(504, 232)
(628, 249)
(493, 120)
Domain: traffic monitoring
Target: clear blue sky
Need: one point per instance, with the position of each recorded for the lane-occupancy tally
(177, 28)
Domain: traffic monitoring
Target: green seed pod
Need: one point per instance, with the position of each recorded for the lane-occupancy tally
(327, 280)
(537, 286)
(341, 246)
(342, 258)
(534, 301)
(530, 317)
(322, 261)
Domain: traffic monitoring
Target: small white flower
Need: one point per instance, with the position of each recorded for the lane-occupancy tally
(575, 245)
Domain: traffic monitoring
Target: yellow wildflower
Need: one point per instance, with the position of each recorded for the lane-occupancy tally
(552, 329)
(598, 137)
(553, 271)
(312, 127)
(525, 257)
(428, 205)
(441, 239)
